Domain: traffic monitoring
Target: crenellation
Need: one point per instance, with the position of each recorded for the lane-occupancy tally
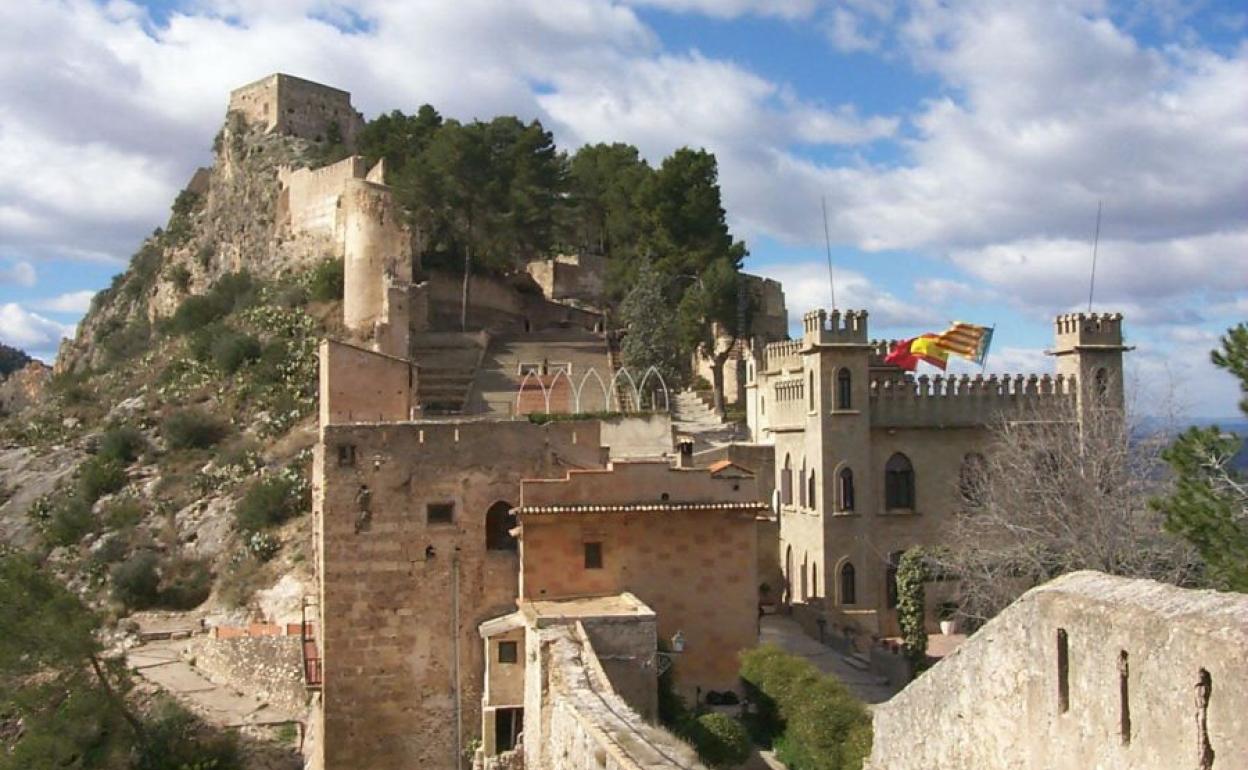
(979, 400)
(834, 327)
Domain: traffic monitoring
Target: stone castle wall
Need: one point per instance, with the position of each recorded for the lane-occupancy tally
(269, 667)
(310, 198)
(401, 595)
(292, 105)
(1150, 679)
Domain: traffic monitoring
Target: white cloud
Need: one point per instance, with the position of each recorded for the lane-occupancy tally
(71, 302)
(731, 9)
(806, 288)
(29, 331)
(19, 273)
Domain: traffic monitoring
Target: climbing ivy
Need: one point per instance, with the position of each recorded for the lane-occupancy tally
(911, 575)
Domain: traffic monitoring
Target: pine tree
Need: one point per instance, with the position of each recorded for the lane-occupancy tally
(650, 329)
(1209, 503)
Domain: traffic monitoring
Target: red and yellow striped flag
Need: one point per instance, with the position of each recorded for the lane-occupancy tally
(962, 339)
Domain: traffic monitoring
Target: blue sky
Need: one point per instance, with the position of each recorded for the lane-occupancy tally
(962, 146)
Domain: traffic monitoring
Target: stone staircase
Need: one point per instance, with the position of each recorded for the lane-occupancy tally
(694, 418)
(446, 365)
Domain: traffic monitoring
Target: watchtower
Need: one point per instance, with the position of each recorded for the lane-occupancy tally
(1088, 347)
(286, 104)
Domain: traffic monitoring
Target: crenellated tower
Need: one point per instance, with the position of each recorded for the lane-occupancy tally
(1089, 348)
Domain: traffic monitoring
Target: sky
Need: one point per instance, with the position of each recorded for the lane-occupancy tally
(961, 148)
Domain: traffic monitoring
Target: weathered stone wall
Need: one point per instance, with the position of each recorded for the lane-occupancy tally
(401, 596)
(499, 306)
(310, 198)
(376, 246)
(269, 667)
(577, 277)
(1153, 675)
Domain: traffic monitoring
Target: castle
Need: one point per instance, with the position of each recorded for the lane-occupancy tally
(870, 461)
(508, 591)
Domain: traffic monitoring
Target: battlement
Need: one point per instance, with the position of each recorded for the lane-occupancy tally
(821, 327)
(286, 104)
(964, 400)
(786, 354)
(1073, 330)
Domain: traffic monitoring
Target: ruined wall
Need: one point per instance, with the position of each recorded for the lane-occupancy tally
(638, 436)
(498, 305)
(577, 277)
(269, 667)
(1150, 680)
(358, 385)
(581, 722)
(310, 198)
(401, 595)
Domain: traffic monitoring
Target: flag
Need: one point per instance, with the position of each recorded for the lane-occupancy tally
(908, 353)
(962, 339)
(967, 341)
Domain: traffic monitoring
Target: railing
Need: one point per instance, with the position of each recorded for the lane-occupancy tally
(312, 670)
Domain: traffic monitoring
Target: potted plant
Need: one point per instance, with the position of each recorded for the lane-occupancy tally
(947, 613)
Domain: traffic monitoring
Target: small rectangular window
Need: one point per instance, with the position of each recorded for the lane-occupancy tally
(593, 556)
(529, 368)
(346, 455)
(440, 513)
(508, 652)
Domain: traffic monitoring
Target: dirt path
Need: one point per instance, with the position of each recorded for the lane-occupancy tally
(785, 633)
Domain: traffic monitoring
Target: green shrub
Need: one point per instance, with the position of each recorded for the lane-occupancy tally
(232, 350)
(185, 584)
(123, 513)
(179, 276)
(175, 739)
(68, 521)
(112, 549)
(192, 429)
(273, 359)
(100, 476)
(242, 578)
(136, 583)
(232, 291)
(132, 339)
(911, 575)
(813, 720)
(327, 280)
(270, 501)
(721, 741)
(122, 444)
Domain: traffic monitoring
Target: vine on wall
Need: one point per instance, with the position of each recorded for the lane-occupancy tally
(911, 575)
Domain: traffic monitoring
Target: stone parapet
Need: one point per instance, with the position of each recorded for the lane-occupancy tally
(965, 400)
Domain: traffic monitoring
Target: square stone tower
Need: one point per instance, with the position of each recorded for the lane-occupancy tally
(290, 105)
(1088, 347)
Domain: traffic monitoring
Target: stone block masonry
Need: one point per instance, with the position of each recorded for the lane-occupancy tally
(268, 665)
(291, 105)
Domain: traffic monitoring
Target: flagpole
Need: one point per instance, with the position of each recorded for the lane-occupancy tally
(992, 331)
(827, 244)
(1096, 240)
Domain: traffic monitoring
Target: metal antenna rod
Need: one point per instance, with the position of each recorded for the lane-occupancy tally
(827, 242)
(1096, 240)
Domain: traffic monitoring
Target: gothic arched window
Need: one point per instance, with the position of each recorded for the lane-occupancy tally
(810, 385)
(498, 522)
(849, 590)
(845, 481)
(786, 482)
(810, 489)
(1101, 382)
(898, 483)
(844, 390)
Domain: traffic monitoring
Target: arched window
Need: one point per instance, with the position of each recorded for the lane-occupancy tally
(801, 486)
(898, 483)
(810, 387)
(810, 489)
(845, 481)
(849, 590)
(498, 522)
(1101, 382)
(890, 578)
(786, 482)
(844, 390)
(814, 580)
(971, 480)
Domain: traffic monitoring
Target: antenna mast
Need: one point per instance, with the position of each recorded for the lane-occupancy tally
(827, 243)
(1096, 240)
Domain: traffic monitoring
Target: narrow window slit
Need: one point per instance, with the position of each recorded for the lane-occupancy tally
(1063, 671)
(1124, 697)
(1204, 691)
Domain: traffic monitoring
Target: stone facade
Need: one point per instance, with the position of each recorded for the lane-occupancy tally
(269, 667)
(575, 278)
(1086, 671)
(770, 323)
(837, 416)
